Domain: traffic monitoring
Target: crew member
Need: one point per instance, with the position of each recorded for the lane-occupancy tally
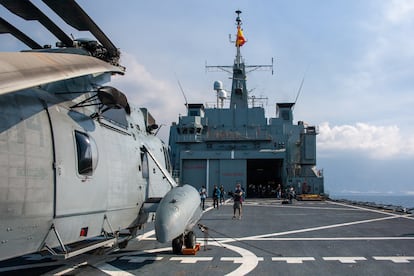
(237, 197)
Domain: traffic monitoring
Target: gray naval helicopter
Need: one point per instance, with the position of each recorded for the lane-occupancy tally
(81, 168)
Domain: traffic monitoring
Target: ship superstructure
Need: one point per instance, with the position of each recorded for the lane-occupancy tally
(236, 143)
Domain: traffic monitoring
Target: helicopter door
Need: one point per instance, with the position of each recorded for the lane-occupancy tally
(78, 190)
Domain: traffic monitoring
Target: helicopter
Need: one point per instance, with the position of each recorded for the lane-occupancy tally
(81, 167)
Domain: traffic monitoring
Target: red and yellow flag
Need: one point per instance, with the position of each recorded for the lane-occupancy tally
(240, 40)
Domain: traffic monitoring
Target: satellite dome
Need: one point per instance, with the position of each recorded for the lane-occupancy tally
(218, 85)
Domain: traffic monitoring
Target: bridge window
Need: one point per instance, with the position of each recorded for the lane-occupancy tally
(87, 153)
(194, 112)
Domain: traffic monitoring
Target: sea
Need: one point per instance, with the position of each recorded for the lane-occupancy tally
(406, 201)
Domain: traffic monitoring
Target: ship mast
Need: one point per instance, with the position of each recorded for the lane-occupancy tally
(242, 40)
(239, 94)
(239, 90)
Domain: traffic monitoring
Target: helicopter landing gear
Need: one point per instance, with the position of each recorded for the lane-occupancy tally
(188, 239)
(177, 244)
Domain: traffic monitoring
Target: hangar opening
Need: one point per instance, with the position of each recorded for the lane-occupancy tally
(263, 175)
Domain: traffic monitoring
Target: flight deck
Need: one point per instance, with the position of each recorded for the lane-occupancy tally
(271, 238)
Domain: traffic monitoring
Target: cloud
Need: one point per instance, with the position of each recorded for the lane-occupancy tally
(389, 51)
(144, 89)
(142, 85)
(379, 84)
(376, 142)
(400, 10)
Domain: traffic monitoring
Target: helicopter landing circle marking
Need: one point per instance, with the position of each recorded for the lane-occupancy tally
(247, 259)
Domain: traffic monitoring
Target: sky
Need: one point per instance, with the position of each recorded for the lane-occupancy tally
(356, 59)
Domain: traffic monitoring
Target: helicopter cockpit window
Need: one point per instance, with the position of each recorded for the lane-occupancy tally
(87, 152)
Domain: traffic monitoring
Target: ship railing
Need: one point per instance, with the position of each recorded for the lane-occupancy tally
(256, 134)
(190, 138)
(311, 130)
(225, 104)
(218, 136)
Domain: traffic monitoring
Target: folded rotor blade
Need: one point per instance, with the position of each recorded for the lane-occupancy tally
(26, 10)
(6, 27)
(29, 69)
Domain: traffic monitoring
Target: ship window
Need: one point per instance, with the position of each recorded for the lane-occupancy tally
(87, 153)
(194, 113)
(285, 115)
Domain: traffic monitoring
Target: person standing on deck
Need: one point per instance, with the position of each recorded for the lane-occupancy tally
(203, 195)
(292, 194)
(278, 191)
(216, 196)
(222, 192)
(237, 197)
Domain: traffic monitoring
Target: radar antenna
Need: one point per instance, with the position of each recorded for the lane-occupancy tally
(300, 87)
(182, 91)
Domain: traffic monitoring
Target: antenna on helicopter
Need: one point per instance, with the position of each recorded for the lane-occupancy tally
(155, 134)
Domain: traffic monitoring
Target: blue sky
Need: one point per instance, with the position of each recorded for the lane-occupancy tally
(357, 58)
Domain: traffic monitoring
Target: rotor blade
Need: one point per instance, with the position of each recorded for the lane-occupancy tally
(7, 28)
(29, 69)
(75, 16)
(26, 10)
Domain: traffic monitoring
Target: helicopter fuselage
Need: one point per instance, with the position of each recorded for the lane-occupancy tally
(69, 171)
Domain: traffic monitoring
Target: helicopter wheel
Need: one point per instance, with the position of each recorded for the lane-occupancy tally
(177, 244)
(123, 244)
(190, 240)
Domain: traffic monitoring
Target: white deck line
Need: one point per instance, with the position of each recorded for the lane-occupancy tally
(316, 239)
(310, 229)
(112, 270)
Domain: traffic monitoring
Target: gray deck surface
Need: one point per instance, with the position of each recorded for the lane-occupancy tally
(304, 238)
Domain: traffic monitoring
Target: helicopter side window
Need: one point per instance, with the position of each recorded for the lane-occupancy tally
(145, 166)
(167, 159)
(87, 152)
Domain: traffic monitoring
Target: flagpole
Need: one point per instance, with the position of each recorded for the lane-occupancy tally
(239, 23)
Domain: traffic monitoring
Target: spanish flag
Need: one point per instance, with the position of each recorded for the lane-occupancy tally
(240, 40)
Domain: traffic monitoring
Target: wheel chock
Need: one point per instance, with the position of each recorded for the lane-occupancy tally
(191, 251)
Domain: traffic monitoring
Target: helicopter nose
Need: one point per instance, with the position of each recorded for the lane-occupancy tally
(176, 213)
(167, 222)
